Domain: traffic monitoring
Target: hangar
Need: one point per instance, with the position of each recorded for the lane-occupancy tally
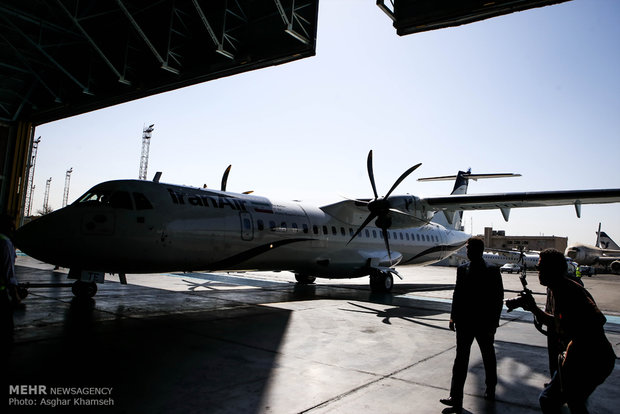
(67, 57)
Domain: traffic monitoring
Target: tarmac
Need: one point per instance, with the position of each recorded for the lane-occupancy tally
(260, 343)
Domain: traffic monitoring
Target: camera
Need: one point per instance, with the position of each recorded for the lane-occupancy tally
(519, 301)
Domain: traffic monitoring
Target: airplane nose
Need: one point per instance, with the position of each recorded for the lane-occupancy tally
(25, 239)
(42, 238)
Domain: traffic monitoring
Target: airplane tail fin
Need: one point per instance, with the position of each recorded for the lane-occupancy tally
(605, 242)
(453, 219)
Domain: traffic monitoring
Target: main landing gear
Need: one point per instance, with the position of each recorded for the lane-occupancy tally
(381, 281)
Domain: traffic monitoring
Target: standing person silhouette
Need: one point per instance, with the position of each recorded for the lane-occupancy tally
(476, 308)
(8, 284)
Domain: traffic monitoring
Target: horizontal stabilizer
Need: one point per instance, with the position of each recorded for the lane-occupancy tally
(470, 177)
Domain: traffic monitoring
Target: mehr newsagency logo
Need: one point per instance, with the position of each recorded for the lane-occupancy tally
(45, 396)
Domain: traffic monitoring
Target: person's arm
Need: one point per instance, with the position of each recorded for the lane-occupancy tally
(542, 316)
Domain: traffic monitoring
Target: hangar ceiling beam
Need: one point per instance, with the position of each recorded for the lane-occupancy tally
(295, 18)
(149, 44)
(94, 45)
(226, 37)
(42, 51)
(29, 70)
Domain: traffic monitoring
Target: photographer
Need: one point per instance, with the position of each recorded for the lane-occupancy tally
(588, 357)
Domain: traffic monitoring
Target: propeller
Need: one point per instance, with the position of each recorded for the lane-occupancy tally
(225, 178)
(225, 181)
(380, 208)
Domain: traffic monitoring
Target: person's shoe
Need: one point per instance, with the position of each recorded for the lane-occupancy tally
(452, 402)
(452, 410)
(489, 394)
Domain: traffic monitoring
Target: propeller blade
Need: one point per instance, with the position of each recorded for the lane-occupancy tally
(225, 178)
(371, 175)
(387, 243)
(401, 178)
(370, 218)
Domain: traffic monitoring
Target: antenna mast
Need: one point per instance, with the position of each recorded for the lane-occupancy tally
(65, 197)
(47, 196)
(144, 158)
(30, 186)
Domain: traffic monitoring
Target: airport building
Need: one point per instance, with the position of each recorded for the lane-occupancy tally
(497, 239)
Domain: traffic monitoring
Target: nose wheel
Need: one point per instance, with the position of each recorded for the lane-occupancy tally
(84, 290)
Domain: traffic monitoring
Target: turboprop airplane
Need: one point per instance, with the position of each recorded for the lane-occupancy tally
(500, 257)
(137, 226)
(606, 252)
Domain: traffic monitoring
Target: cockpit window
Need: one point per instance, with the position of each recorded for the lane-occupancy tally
(98, 197)
(142, 203)
(117, 199)
(121, 199)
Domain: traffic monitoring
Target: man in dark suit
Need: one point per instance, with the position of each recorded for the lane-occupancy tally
(476, 308)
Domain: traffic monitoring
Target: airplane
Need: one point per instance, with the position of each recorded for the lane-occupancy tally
(606, 252)
(500, 257)
(139, 226)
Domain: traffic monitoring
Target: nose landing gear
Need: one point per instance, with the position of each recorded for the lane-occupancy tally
(84, 290)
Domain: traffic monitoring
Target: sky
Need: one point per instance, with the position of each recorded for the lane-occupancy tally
(535, 93)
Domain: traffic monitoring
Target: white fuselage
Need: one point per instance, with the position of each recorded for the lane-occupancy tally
(134, 226)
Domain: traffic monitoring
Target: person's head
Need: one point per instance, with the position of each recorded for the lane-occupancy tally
(551, 267)
(475, 248)
(7, 225)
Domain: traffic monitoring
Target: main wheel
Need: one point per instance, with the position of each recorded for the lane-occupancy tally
(381, 282)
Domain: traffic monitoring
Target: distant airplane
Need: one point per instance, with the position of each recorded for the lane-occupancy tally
(606, 252)
(137, 226)
(500, 257)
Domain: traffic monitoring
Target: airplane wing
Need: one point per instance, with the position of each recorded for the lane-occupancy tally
(411, 210)
(506, 201)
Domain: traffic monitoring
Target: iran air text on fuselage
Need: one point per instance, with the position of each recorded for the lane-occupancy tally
(207, 200)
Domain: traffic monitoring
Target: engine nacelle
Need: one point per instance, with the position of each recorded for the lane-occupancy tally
(414, 213)
(615, 266)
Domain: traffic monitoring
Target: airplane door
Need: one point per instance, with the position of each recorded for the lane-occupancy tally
(247, 226)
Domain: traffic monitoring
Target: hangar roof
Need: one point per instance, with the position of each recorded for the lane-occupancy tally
(64, 57)
(414, 16)
(60, 58)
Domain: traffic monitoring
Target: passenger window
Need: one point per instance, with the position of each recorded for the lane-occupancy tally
(334, 231)
(305, 226)
(367, 233)
(260, 225)
(342, 231)
(272, 225)
(294, 226)
(325, 230)
(142, 203)
(407, 236)
(283, 225)
(374, 234)
(315, 229)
